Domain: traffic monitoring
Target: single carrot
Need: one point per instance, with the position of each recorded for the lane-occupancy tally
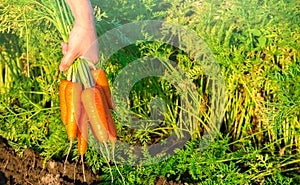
(112, 130)
(94, 106)
(112, 135)
(73, 100)
(72, 93)
(83, 137)
(62, 99)
(100, 79)
(83, 133)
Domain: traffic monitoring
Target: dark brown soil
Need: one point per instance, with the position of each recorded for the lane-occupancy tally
(163, 181)
(29, 169)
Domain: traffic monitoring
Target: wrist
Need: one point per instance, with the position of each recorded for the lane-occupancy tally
(85, 19)
(82, 12)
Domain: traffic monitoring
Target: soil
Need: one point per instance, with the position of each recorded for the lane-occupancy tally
(29, 170)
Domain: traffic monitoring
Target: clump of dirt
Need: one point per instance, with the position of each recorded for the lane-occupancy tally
(163, 181)
(29, 169)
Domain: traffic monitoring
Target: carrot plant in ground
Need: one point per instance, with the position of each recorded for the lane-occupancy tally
(218, 164)
(257, 60)
(256, 43)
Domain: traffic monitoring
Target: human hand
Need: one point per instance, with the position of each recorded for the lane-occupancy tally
(82, 43)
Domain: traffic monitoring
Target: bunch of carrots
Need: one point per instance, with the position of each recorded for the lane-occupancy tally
(85, 101)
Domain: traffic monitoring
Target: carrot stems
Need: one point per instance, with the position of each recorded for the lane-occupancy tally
(85, 74)
(69, 75)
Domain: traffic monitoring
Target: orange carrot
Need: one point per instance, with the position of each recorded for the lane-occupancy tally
(72, 93)
(83, 137)
(83, 133)
(112, 135)
(62, 98)
(112, 130)
(94, 106)
(100, 79)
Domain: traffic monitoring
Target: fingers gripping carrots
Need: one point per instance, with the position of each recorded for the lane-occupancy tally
(85, 99)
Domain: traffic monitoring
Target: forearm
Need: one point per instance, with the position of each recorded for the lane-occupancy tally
(82, 40)
(82, 11)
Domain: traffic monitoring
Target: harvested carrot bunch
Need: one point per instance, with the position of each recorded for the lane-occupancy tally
(85, 100)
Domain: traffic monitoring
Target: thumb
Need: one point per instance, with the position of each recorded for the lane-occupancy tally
(67, 60)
